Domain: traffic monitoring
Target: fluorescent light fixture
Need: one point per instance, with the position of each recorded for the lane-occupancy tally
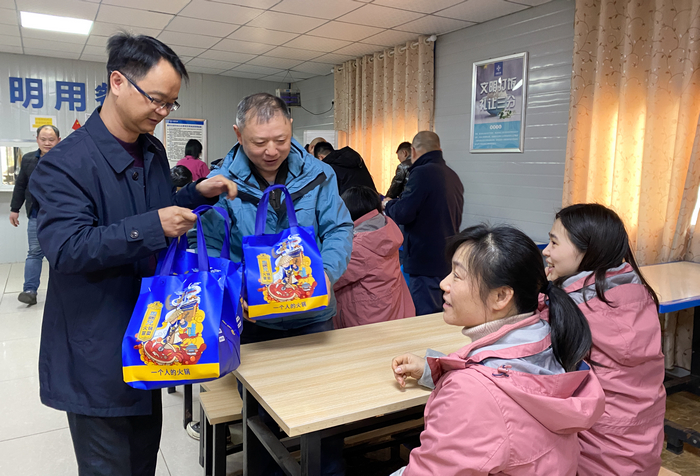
(40, 21)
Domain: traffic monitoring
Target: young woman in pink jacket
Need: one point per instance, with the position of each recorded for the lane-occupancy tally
(589, 257)
(512, 401)
(372, 289)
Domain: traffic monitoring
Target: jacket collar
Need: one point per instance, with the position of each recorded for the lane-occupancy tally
(239, 166)
(115, 155)
(434, 157)
(577, 282)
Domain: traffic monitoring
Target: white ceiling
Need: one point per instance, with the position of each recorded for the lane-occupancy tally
(274, 40)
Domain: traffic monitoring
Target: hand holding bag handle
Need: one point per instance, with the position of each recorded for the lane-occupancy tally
(202, 257)
(261, 215)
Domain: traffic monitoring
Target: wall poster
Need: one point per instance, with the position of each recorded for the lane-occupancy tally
(499, 88)
(176, 133)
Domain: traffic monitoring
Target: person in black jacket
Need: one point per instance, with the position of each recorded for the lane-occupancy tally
(349, 167)
(430, 209)
(46, 137)
(403, 153)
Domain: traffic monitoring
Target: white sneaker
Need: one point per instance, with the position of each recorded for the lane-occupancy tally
(193, 430)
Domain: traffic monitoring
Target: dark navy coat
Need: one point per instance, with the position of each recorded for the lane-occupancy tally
(430, 209)
(99, 228)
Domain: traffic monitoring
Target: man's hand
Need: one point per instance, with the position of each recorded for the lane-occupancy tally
(407, 365)
(384, 202)
(14, 218)
(176, 220)
(244, 306)
(215, 186)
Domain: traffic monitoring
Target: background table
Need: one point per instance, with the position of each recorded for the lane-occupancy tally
(320, 381)
(678, 287)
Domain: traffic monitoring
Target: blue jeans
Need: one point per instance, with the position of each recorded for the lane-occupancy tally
(426, 294)
(32, 265)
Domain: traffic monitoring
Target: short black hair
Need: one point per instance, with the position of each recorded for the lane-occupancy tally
(361, 200)
(323, 148)
(404, 146)
(135, 55)
(180, 175)
(193, 148)
(55, 130)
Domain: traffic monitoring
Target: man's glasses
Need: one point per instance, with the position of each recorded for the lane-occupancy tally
(168, 106)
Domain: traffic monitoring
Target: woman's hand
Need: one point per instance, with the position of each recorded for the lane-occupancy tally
(407, 365)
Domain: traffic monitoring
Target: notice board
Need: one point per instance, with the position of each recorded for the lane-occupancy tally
(176, 133)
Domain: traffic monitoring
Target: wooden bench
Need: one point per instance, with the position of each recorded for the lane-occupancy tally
(221, 405)
(667, 472)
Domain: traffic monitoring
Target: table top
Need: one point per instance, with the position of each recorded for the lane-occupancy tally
(677, 284)
(318, 381)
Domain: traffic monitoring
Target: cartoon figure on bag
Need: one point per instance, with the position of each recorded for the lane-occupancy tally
(292, 276)
(179, 340)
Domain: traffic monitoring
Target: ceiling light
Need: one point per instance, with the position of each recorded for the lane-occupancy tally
(54, 23)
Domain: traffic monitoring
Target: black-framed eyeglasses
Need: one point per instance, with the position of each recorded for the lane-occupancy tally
(168, 106)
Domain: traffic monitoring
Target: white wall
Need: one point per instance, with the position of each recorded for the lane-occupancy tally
(316, 97)
(206, 97)
(522, 189)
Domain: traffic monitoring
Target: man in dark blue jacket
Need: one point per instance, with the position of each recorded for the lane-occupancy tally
(430, 209)
(107, 206)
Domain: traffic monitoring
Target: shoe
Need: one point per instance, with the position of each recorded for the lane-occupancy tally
(28, 297)
(193, 429)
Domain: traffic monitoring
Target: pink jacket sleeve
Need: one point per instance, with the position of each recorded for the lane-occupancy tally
(465, 433)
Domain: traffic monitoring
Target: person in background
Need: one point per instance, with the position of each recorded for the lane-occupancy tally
(513, 400)
(181, 176)
(306, 148)
(398, 183)
(313, 143)
(192, 160)
(430, 210)
(589, 257)
(107, 207)
(372, 289)
(349, 167)
(46, 138)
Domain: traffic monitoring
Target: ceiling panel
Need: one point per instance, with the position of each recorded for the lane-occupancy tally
(344, 31)
(294, 53)
(11, 30)
(481, 10)
(10, 4)
(241, 74)
(390, 38)
(382, 17)
(314, 67)
(6, 40)
(262, 70)
(8, 17)
(272, 62)
(430, 24)
(262, 4)
(62, 8)
(227, 56)
(421, 6)
(203, 70)
(54, 53)
(187, 50)
(187, 39)
(238, 46)
(220, 12)
(210, 63)
(197, 26)
(132, 17)
(328, 9)
(325, 45)
(332, 58)
(262, 35)
(359, 49)
(162, 6)
(50, 36)
(108, 29)
(286, 22)
(95, 40)
(12, 49)
(94, 51)
(52, 46)
(94, 59)
(532, 3)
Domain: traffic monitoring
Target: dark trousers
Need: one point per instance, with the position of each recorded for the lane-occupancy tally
(426, 294)
(117, 446)
(332, 463)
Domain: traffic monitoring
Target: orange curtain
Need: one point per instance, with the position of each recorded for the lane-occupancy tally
(384, 99)
(635, 102)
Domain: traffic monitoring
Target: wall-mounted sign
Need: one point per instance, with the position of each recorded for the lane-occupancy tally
(36, 122)
(176, 133)
(499, 90)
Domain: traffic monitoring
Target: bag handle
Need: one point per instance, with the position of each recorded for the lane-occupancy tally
(180, 244)
(261, 215)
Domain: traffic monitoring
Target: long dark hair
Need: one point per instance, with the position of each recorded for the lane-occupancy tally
(599, 233)
(505, 256)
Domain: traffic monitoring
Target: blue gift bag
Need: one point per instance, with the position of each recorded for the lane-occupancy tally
(284, 272)
(186, 324)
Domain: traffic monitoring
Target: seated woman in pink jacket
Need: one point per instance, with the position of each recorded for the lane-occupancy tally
(192, 160)
(512, 401)
(373, 288)
(589, 257)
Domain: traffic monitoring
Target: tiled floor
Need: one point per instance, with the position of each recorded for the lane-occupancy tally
(35, 439)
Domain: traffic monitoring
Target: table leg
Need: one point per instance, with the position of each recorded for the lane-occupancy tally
(220, 449)
(171, 389)
(206, 436)
(254, 453)
(311, 454)
(202, 418)
(187, 413)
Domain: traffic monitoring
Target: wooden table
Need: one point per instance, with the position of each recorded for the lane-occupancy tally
(312, 384)
(678, 287)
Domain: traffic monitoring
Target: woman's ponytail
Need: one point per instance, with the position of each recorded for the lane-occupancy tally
(571, 336)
